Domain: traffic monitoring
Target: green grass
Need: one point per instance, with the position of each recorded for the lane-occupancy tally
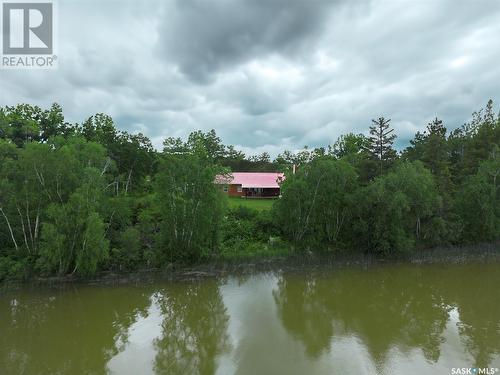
(256, 204)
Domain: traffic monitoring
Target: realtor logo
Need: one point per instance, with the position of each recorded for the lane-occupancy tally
(28, 35)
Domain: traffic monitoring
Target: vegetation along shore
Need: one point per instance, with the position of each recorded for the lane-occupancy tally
(81, 199)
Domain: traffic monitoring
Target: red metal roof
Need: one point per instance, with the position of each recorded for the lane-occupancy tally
(253, 179)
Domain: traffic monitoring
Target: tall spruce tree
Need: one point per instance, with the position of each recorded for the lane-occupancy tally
(435, 154)
(380, 142)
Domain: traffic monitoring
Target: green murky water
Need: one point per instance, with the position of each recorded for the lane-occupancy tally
(393, 319)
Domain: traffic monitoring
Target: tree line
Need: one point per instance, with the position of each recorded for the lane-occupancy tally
(78, 198)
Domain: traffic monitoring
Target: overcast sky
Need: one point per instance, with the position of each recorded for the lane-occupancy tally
(269, 75)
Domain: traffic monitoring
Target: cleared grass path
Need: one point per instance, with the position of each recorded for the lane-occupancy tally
(256, 204)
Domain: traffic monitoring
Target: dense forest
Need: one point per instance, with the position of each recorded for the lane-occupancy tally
(80, 198)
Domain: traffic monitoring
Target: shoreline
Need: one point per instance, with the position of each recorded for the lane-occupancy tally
(303, 262)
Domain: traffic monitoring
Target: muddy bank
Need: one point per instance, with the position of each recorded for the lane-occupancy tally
(303, 262)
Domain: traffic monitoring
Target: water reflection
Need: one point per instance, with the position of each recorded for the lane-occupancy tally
(193, 331)
(394, 308)
(71, 331)
(475, 292)
(391, 319)
(383, 310)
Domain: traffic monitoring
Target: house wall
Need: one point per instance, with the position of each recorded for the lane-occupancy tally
(233, 191)
(264, 193)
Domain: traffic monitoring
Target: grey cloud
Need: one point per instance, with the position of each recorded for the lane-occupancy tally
(203, 37)
(269, 75)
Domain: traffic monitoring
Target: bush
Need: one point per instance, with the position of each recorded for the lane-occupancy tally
(247, 233)
(11, 269)
(127, 254)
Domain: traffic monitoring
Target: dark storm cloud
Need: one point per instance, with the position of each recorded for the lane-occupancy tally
(203, 37)
(269, 74)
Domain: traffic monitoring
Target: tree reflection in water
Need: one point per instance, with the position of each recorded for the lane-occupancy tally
(194, 329)
(477, 298)
(385, 319)
(403, 308)
(71, 331)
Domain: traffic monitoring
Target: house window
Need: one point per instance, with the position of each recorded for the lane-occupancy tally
(225, 189)
(239, 189)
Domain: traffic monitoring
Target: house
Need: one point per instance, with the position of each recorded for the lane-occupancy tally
(251, 184)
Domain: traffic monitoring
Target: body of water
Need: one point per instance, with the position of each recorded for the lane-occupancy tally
(390, 319)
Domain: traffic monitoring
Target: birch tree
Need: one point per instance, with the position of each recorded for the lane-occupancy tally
(191, 204)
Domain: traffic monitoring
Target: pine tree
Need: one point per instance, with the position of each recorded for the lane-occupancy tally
(380, 142)
(435, 153)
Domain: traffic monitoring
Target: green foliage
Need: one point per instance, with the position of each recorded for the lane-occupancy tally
(349, 145)
(316, 206)
(478, 203)
(24, 123)
(79, 244)
(398, 210)
(248, 233)
(256, 204)
(191, 205)
(432, 149)
(127, 253)
(13, 269)
(148, 224)
(78, 198)
(380, 143)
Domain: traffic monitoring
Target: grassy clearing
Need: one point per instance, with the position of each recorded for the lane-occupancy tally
(256, 204)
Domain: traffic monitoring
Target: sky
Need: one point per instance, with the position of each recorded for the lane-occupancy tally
(269, 75)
